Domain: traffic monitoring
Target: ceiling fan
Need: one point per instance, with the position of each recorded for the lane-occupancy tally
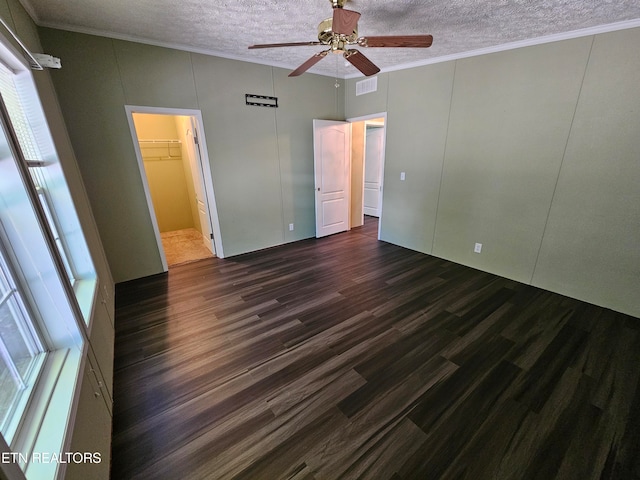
(342, 30)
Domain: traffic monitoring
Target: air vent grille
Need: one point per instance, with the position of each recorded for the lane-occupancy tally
(367, 86)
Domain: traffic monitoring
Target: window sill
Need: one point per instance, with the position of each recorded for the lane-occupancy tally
(43, 442)
(85, 291)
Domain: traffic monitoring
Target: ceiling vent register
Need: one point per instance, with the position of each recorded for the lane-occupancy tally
(367, 86)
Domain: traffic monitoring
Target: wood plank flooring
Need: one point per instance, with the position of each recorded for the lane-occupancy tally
(346, 357)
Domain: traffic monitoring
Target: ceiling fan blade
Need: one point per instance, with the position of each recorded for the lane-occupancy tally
(362, 63)
(292, 44)
(410, 41)
(308, 64)
(344, 21)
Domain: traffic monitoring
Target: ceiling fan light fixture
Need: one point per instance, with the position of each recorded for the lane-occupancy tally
(338, 46)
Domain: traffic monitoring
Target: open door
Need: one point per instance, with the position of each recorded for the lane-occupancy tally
(195, 158)
(332, 167)
(373, 161)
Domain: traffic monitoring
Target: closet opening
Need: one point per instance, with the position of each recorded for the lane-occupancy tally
(175, 172)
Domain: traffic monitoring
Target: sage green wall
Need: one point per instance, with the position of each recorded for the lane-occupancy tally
(590, 247)
(301, 102)
(361, 105)
(261, 159)
(243, 150)
(510, 117)
(531, 152)
(417, 119)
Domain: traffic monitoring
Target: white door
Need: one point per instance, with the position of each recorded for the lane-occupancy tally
(374, 151)
(195, 159)
(332, 165)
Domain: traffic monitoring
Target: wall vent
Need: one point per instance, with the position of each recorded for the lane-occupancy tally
(367, 86)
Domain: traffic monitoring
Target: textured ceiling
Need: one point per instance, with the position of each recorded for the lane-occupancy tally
(227, 28)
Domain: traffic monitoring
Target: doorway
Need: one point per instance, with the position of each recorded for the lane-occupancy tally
(171, 156)
(367, 168)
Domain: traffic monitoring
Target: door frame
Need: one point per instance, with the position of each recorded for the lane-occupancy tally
(364, 118)
(205, 173)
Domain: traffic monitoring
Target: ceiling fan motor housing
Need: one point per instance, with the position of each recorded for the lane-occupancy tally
(327, 36)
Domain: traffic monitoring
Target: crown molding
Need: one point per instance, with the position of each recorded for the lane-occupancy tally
(585, 32)
(174, 46)
(445, 58)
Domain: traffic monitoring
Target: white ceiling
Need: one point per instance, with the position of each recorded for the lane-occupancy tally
(227, 28)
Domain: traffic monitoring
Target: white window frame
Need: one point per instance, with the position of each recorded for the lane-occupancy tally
(33, 343)
(55, 230)
(61, 310)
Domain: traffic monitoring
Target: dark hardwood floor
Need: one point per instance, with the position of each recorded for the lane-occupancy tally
(346, 357)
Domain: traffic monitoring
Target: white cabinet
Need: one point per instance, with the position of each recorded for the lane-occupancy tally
(92, 429)
(102, 339)
(92, 426)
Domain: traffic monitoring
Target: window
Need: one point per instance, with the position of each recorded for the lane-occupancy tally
(30, 129)
(21, 351)
(47, 279)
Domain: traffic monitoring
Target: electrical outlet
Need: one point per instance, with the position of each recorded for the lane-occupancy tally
(291, 227)
(477, 248)
(402, 176)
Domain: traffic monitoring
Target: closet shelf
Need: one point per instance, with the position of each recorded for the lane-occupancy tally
(160, 149)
